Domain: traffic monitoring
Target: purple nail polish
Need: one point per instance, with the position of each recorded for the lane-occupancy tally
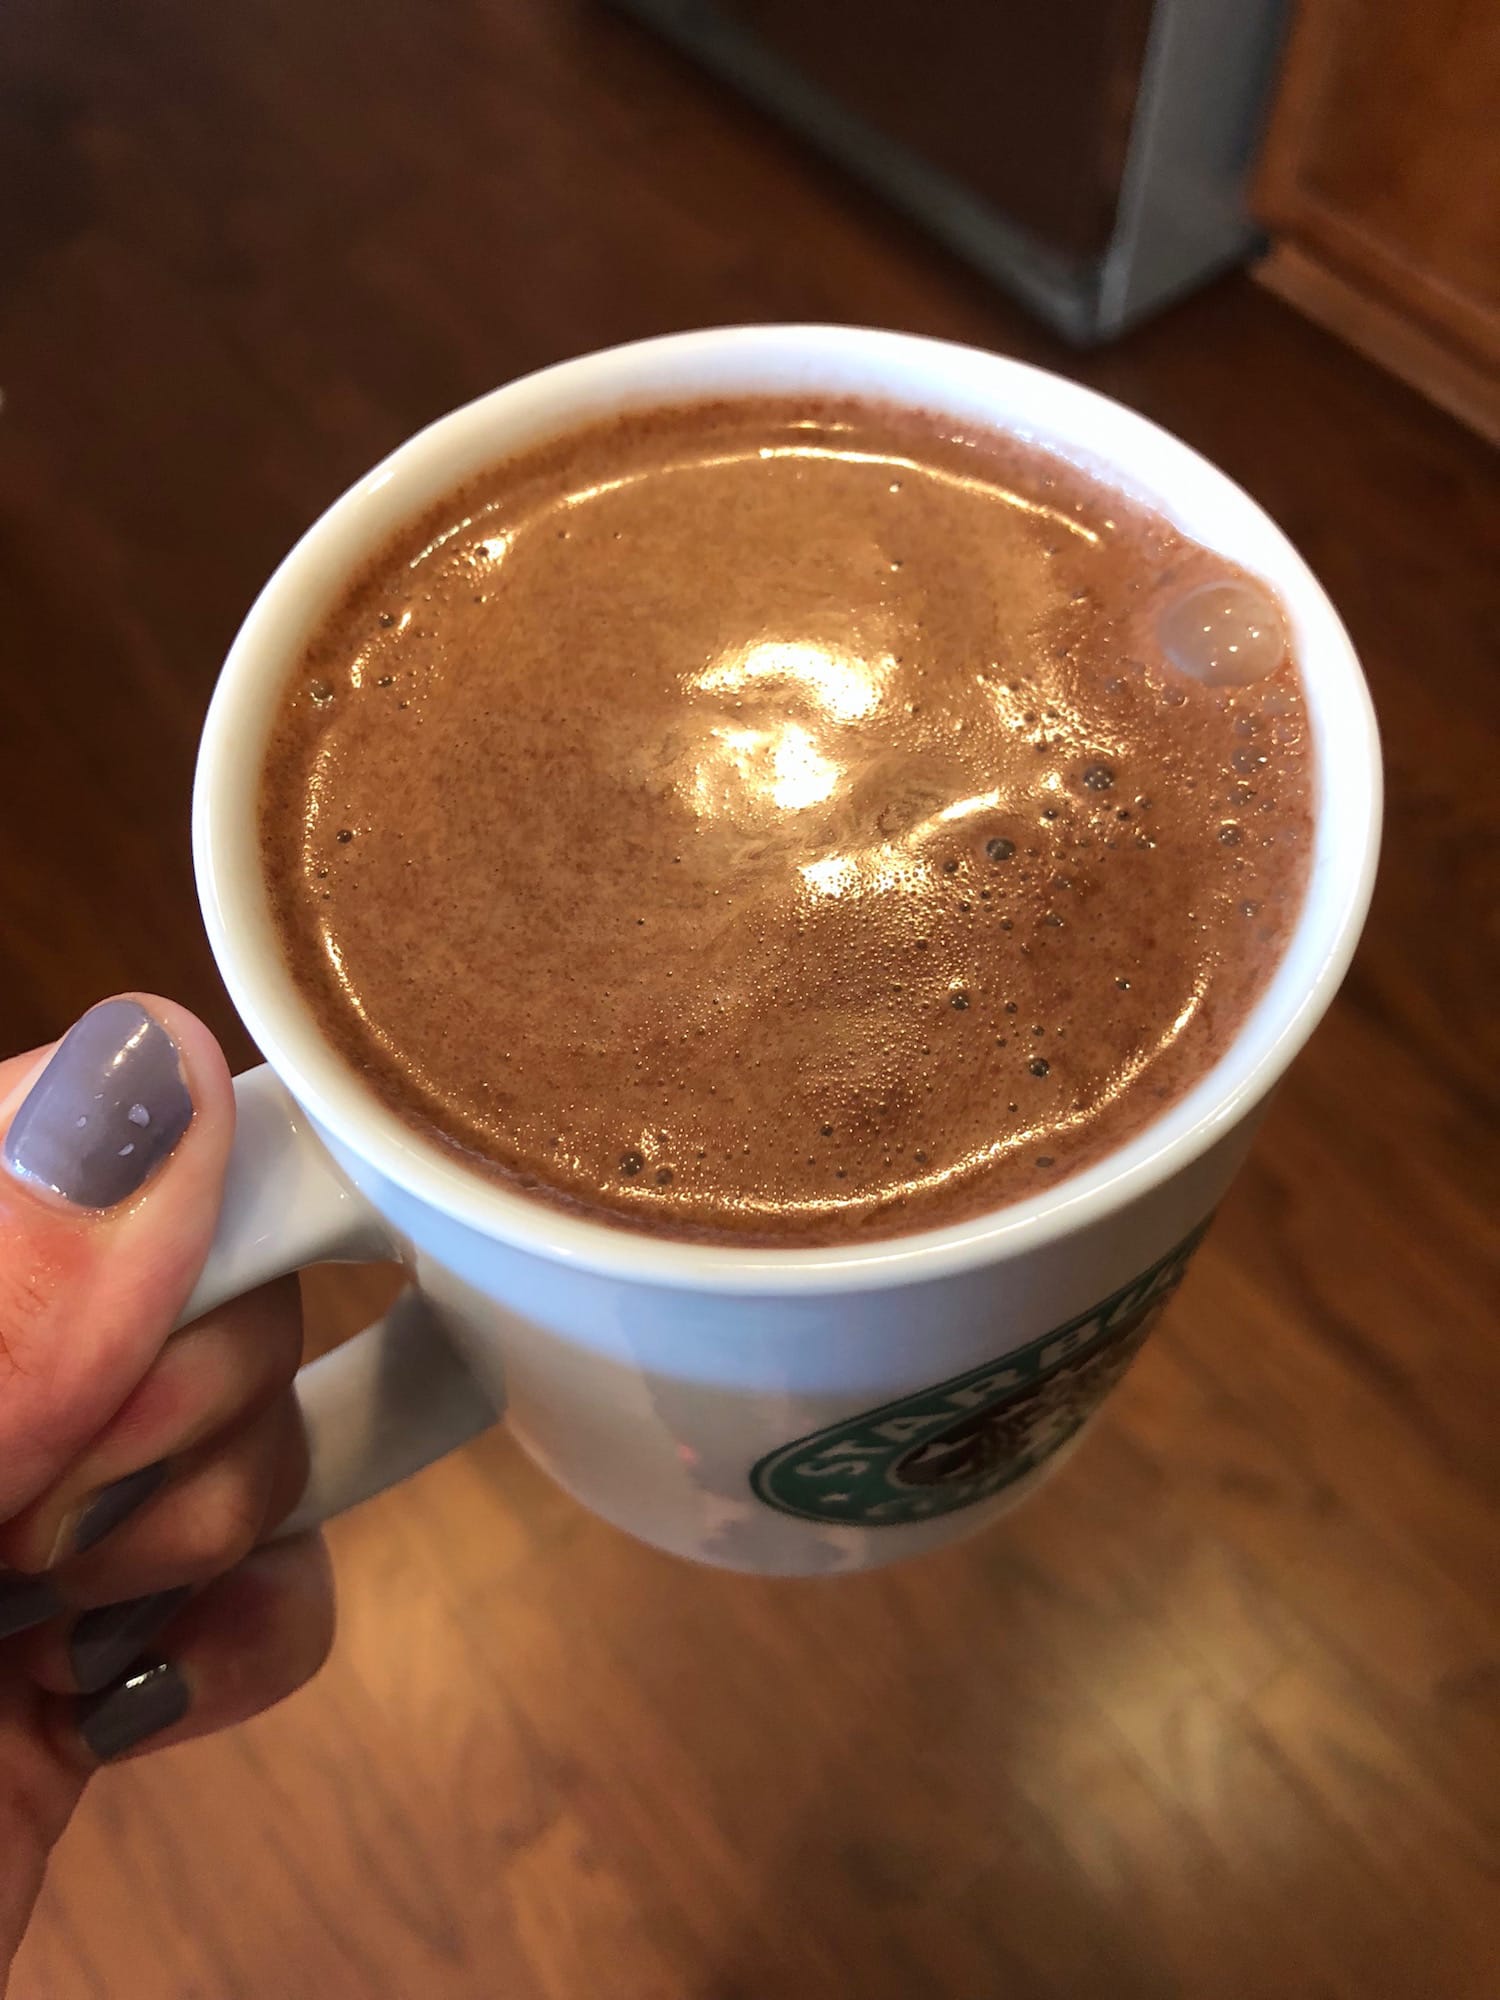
(105, 1641)
(133, 1709)
(115, 1503)
(108, 1109)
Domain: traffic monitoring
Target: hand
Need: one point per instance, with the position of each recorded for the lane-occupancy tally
(139, 1475)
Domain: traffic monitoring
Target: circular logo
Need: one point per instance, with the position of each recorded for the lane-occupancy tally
(962, 1440)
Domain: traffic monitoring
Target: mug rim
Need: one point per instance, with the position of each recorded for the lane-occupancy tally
(963, 382)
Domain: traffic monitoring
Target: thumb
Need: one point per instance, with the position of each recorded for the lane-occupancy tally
(111, 1168)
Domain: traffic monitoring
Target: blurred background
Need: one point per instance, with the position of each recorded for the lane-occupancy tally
(1219, 1714)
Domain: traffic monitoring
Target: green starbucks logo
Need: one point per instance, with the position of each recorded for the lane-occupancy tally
(949, 1446)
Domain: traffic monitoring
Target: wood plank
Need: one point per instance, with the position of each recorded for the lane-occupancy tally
(1385, 334)
(1383, 143)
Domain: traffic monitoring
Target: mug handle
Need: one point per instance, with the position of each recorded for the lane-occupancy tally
(396, 1396)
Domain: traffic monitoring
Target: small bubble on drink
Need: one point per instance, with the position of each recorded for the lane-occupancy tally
(1223, 634)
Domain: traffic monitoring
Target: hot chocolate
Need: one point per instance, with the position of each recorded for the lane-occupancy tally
(788, 821)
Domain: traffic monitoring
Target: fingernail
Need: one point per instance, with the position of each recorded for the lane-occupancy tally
(103, 1643)
(110, 1506)
(134, 1708)
(25, 1601)
(107, 1109)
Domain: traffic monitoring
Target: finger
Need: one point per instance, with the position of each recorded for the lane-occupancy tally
(111, 1170)
(248, 1641)
(226, 1497)
(207, 1526)
(116, 1605)
(212, 1377)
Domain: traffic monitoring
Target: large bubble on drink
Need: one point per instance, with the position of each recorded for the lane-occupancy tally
(1224, 634)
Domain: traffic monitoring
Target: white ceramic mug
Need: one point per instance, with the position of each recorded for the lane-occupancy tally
(784, 1411)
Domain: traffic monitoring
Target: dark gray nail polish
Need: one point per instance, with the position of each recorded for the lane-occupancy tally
(107, 1109)
(103, 1643)
(133, 1709)
(114, 1503)
(25, 1601)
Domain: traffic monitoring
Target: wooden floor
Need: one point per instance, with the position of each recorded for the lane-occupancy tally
(1220, 1714)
